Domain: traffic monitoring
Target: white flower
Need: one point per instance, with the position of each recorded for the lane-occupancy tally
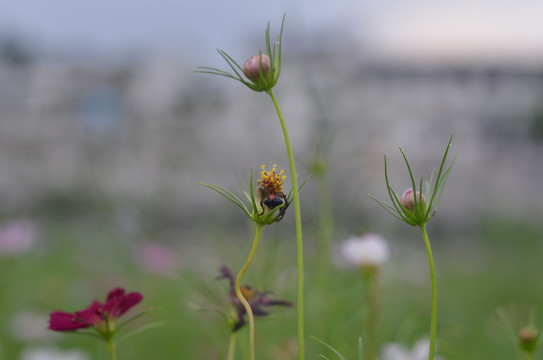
(53, 354)
(395, 351)
(370, 250)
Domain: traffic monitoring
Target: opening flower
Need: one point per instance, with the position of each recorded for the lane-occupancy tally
(259, 301)
(99, 315)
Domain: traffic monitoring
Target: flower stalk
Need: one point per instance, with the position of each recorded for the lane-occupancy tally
(433, 321)
(240, 296)
(111, 349)
(232, 346)
(371, 278)
(298, 220)
(414, 209)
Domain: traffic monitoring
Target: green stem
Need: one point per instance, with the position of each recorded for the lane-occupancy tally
(240, 295)
(372, 312)
(433, 326)
(111, 349)
(232, 346)
(298, 219)
(530, 356)
(326, 229)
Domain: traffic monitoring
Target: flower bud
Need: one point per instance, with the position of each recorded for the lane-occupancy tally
(528, 336)
(257, 68)
(408, 200)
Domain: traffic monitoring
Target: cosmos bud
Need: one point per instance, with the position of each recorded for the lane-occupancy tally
(257, 68)
(528, 336)
(408, 200)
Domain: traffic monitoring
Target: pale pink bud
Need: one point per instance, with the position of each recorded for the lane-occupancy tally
(254, 65)
(408, 200)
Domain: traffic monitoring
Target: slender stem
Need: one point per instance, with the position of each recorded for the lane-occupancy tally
(433, 326)
(372, 313)
(111, 349)
(240, 295)
(298, 219)
(530, 356)
(326, 229)
(232, 346)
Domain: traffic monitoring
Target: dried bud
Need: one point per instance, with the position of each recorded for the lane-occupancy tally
(528, 336)
(257, 68)
(408, 200)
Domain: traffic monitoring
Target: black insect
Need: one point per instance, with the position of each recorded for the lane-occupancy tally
(274, 200)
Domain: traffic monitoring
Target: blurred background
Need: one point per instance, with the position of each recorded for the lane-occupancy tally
(105, 132)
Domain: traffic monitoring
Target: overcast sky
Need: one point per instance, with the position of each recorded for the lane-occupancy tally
(441, 28)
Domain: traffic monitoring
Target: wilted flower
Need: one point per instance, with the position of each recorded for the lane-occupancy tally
(270, 194)
(17, 237)
(97, 315)
(269, 203)
(259, 301)
(367, 251)
(395, 351)
(53, 354)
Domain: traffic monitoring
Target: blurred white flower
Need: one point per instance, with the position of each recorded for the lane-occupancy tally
(370, 250)
(17, 237)
(158, 259)
(30, 326)
(395, 351)
(53, 354)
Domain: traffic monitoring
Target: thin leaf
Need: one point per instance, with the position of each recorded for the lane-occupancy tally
(135, 317)
(141, 330)
(230, 196)
(329, 347)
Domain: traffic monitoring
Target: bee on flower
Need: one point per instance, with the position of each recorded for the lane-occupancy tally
(270, 191)
(269, 202)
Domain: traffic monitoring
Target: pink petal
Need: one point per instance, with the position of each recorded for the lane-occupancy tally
(118, 305)
(115, 292)
(63, 321)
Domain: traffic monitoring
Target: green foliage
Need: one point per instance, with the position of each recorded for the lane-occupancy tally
(74, 264)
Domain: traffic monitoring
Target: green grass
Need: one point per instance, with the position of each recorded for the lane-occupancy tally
(80, 259)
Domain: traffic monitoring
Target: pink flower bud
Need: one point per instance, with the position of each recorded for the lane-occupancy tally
(408, 200)
(255, 65)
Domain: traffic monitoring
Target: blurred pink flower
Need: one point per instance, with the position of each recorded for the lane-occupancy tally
(17, 237)
(158, 259)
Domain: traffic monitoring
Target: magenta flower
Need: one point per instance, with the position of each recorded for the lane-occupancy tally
(97, 315)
